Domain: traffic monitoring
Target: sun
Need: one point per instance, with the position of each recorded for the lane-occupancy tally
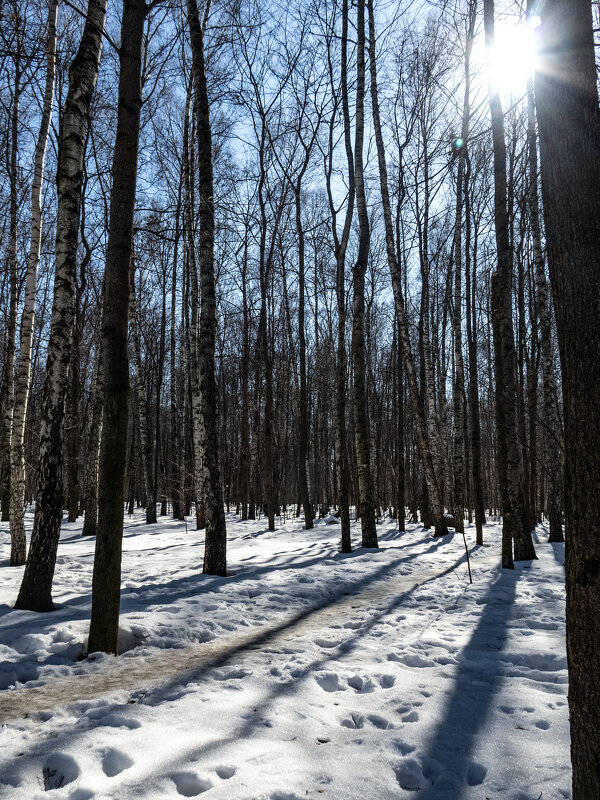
(513, 57)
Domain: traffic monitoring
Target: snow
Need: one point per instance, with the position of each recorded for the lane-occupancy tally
(303, 674)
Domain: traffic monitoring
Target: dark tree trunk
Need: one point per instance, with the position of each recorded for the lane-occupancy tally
(106, 581)
(473, 390)
(514, 518)
(569, 126)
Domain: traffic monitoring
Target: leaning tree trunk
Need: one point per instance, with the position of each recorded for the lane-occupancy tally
(403, 329)
(36, 589)
(215, 553)
(23, 378)
(361, 423)
(106, 581)
(514, 517)
(569, 127)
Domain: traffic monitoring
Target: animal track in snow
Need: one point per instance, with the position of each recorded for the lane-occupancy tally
(542, 724)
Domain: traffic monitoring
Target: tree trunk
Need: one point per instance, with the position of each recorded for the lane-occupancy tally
(35, 592)
(361, 423)
(106, 581)
(553, 432)
(215, 561)
(569, 126)
(514, 518)
(176, 442)
(473, 390)
(340, 247)
(303, 394)
(90, 522)
(244, 470)
(23, 379)
(9, 365)
(459, 382)
(411, 375)
(140, 395)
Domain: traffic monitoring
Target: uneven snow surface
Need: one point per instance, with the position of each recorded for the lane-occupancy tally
(304, 674)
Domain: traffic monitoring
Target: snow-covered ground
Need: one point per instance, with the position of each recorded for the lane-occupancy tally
(304, 674)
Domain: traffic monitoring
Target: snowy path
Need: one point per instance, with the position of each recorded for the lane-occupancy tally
(381, 674)
(194, 661)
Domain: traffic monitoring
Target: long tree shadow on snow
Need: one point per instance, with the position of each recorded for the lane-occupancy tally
(449, 765)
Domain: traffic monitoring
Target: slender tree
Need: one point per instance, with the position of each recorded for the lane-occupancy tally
(411, 375)
(215, 553)
(35, 593)
(514, 518)
(359, 396)
(23, 378)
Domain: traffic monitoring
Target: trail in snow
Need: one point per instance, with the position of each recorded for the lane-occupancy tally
(192, 662)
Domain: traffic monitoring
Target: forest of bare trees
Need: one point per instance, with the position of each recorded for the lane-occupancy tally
(300, 258)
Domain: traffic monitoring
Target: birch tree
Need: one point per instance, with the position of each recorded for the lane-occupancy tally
(35, 593)
(23, 378)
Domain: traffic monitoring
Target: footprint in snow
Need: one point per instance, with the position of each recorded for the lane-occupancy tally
(381, 723)
(225, 773)
(326, 643)
(354, 721)
(362, 685)
(59, 770)
(542, 724)
(412, 716)
(231, 674)
(189, 784)
(476, 774)
(114, 762)
(329, 682)
(403, 747)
